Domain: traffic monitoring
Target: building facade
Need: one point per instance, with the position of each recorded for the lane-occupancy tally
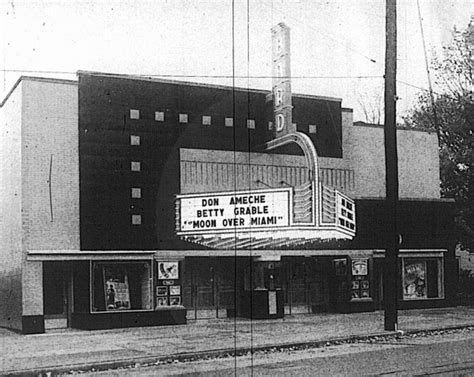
(132, 201)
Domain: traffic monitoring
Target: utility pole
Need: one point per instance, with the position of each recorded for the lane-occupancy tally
(391, 267)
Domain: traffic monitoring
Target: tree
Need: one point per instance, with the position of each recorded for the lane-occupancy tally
(450, 111)
(371, 104)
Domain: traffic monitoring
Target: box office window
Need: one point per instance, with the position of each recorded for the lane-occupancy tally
(422, 278)
(121, 286)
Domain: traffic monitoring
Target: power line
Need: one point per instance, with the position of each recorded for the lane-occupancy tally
(435, 116)
(344, 43)
(445, 95)
(406, 21)
(325, 34)
(164, 75)
(412, 85)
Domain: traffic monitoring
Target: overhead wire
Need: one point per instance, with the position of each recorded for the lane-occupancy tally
(169, 75)
(337, 40)
(433, 105)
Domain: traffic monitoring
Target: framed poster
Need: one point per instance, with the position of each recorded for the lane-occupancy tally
(359, 267)
(365, 294)
(161, 291)
(117, 295)
(340, 267)
(162, 301)
(355, 284)
(414, 285)
(365, 284)
(175, 290)
(175, 300)
(168, 270)
(355, 294)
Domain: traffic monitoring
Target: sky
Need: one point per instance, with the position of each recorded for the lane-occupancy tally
(337, 46)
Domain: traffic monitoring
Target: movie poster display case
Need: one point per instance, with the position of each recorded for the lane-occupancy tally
(354, 284)
(127, 294)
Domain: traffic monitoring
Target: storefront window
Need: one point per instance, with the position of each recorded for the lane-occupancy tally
(121, 286)
(422, 279)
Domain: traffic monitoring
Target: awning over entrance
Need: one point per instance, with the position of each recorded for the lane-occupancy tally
(59, 255)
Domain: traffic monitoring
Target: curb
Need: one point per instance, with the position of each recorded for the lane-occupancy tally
(217, 353)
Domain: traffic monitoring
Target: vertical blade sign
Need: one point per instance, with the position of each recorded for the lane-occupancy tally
(281, 81)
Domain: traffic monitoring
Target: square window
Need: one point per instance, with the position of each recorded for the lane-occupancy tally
(134, 114)
(183, 118)
(136, 192)
(159, 116)
(312, 129)
(270, 125)
(134, 140)
(136, 219)
(206, 120)
(135, 166)
(251, 123)
(229, 122)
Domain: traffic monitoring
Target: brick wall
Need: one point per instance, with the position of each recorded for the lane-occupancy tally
(10, 211)
(50, 150)
(418, 162)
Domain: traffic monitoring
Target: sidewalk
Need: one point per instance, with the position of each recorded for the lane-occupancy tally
(75, 349)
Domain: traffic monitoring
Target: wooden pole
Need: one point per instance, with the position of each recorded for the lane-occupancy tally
(391, 267)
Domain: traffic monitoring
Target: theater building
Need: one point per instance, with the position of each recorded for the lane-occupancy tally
(134, 201)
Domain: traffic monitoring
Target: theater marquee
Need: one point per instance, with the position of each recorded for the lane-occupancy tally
(273, 218)
(239, 210)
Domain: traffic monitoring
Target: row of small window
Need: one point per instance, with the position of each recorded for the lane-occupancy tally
(183, 118)
(207, 120)
(136, 193)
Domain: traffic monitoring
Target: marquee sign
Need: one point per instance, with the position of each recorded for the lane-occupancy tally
(258, 209)
(281, 80)
(272, 218)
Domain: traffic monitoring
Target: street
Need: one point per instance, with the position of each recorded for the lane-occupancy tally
(445, 354)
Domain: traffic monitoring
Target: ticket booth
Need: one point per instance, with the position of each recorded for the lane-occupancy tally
(262, 297)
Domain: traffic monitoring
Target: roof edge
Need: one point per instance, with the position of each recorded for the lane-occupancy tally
(192, 83)
(35, 78)
(399, 127)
